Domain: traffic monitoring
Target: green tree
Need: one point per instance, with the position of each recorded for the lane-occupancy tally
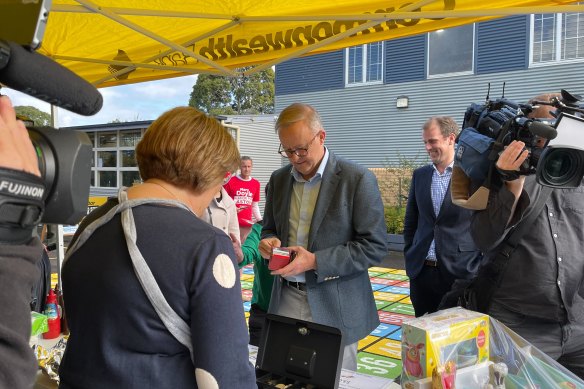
(221, 95)
(39, 117)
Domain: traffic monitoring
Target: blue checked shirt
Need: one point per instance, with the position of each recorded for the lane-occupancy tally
(438, 189)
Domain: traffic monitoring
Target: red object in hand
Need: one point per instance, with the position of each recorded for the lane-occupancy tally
(280, 258)
(52, 312)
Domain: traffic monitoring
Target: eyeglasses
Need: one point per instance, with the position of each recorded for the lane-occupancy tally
(299, 151)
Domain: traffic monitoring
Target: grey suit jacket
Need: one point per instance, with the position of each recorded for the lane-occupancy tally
(347, 235)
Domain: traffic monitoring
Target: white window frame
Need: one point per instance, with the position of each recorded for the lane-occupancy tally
(558, 18)
(452, 74)
(118, 149)
(365, 65)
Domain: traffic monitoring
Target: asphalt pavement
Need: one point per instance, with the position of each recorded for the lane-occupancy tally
(394, 260)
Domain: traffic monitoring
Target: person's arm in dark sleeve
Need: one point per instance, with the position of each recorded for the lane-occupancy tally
(507, 204)
(269, 235)
(18, 273)
(368, 246)
(19, 249)
(218, 332)
(269, 224)
(411, 217)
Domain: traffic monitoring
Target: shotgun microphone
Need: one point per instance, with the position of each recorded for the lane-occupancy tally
(41, 77)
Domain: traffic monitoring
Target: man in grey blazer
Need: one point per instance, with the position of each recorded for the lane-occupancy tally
(438, 246)
(329, 212)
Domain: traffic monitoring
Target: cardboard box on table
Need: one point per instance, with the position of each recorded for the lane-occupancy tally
(430, 341)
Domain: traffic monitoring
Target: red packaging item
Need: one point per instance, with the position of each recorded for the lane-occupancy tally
(52, 313)
(280, 258)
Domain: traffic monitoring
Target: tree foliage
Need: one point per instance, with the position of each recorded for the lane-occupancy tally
(39, 117)
(222, 95)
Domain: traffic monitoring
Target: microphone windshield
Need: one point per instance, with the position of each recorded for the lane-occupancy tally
(41, 77)
(543, 130)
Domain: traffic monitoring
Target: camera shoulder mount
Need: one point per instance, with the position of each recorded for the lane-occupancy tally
(21, 205)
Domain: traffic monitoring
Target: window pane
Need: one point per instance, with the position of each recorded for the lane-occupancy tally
(92, 178)
(374, 61)
(106, 159)
(572, 36)
(544, 42)
(129, 138)
(128, 158)
(451, 50)
(107, 139)
(107, 179)
(355, 68)
(544, 31)
(128, 178)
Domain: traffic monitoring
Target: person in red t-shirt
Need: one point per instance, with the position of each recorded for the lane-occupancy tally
(245, 192)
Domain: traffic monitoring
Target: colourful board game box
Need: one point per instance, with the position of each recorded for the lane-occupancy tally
(455, 334)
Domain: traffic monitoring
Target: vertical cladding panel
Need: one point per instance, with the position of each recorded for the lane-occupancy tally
(258, 141)
(405, 59)
(503, 45)
(364, 125)
(311, 74)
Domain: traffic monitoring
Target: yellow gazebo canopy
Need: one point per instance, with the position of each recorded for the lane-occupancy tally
(114, 42)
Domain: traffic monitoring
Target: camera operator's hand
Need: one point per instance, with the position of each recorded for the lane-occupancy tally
(513, 156)
(21, 186)
(510, 160)
(16, 149)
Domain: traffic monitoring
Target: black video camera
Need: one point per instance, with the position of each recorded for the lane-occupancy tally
(65, 164)
(64, 156)
(488, 128)
(561, 164)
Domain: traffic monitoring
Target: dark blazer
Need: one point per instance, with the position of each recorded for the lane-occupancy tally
(347, 234)
(455, 248)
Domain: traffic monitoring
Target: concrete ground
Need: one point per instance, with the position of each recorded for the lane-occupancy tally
(394, 260)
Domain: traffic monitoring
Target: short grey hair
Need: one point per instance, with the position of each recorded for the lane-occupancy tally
(299, 112)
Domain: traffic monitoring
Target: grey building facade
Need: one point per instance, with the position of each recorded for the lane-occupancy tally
(356, 90)
(114, 163)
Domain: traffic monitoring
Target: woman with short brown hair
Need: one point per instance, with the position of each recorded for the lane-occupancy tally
(152, 292)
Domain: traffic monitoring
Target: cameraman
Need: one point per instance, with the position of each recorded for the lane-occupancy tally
(541, 293)
(18, 256)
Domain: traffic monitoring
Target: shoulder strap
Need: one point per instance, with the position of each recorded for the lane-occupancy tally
(171, 320)
(514, 236)
(478, 294)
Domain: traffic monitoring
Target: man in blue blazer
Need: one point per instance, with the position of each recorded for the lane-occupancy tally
(329, 212)
(438, 246)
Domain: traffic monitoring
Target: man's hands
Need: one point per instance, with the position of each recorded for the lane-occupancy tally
(303, 261)
(16, 149)
(266, 246)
